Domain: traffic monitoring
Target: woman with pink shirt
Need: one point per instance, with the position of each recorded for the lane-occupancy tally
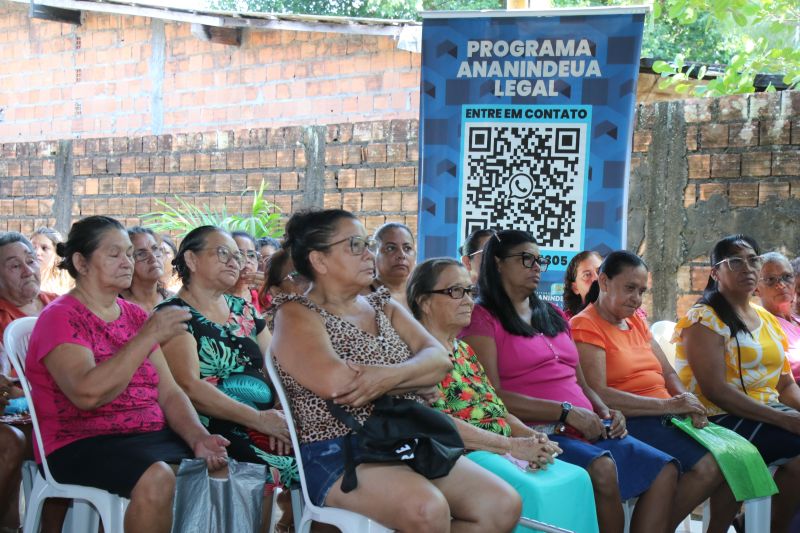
(110, 413)
(776, 288)
(526, 349)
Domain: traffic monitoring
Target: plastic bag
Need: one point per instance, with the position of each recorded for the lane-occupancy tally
(740, 462)
(213, 505)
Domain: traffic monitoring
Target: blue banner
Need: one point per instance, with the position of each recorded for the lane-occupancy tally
(526, 123)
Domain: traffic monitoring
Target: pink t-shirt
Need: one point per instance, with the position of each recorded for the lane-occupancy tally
(792, 331)
(67, 321)
(539, 366)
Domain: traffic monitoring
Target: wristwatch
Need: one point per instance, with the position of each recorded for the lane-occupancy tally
(566, 407)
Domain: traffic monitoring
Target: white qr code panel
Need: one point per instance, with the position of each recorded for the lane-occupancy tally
(528, 176)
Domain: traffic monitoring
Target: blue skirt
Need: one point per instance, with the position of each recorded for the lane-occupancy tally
(667, 438)
(638, 464)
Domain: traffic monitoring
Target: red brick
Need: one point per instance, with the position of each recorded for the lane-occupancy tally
(202, 162)
(409, 201)
(285, 158)
(218, 161)
(786, 164)
(334, 155)
(707, 190)
(732, 107)
(267, 158)
(642, 140)
(775, 132)
(396, 152)
(250, 159)
(376, 153)
(352, 155)
(756, 164)
(765, 105)
(351, 201)
(332, 201)
(405, 176)
(743, 194)
(186, 162)
(778, 189)
(690, 195)
(346, 178)
(725, 165)
(289, 181)
(234, 161)
(697, 110)
(699, 166)
(699, 277)
(365, 177)
(743, 134)
(391, 201)
(713, 136)
(691, 138)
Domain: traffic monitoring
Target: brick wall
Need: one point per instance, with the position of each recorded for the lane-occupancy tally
(124, 76)
(729, 165)
(369, 168)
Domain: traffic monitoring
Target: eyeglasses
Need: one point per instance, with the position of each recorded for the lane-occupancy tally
(737, 264)
(786, 279)
(529, 259)
(250, 255)
(144, 254)
(225, 255)
(476, 252)
(357, 244)
(457, 292)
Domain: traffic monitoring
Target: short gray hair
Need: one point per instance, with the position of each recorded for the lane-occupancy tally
(10, 237)
(776, 257)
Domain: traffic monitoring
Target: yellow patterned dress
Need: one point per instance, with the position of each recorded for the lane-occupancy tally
(763, 356)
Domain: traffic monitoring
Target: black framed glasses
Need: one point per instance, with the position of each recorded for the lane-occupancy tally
(528, 260)
(225, 255)
(357, 244)
(771, 281)
(143, 254)
(737, 264)
(456, 292)
(250, 255)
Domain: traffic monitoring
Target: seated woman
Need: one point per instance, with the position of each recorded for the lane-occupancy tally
(731, 354)
(336, 344)
(219, 360)
(169, 280)
(440, 295)
(394, 259)
(472, 251)
(776, 285)
(629, 372)
(20, 296)
(528, 354)
(249, 276)
(53, 279)
(581, 273)
(146, 290)
(110, 413)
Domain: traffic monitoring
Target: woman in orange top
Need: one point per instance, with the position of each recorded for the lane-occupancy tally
(629, 371)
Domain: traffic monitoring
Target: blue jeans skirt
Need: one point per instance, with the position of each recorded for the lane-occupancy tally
(638, 464)
(667, 438)
(323, 464)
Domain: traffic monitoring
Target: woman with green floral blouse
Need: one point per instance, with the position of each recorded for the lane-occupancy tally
(439, 294)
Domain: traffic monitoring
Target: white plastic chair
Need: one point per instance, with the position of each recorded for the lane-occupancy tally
(662, 333)
(110, 507)
(341, 518)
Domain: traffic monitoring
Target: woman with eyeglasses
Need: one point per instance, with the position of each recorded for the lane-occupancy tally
(249, 277)
(628, 370)
(396, 256)
(219, 360)
(731, 354)
(146, 290)
(472, 251)
(526, 349)
(440, 295)
(776, 290)
(341, 344)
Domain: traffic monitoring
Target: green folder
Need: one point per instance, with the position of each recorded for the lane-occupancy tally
(740, 462)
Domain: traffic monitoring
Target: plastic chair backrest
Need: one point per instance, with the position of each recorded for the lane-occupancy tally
(269, 362)
(662, 333)
(16, 339)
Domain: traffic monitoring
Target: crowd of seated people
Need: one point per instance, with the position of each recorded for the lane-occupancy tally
(561, 411)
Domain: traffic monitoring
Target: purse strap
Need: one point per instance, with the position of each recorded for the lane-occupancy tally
(349, 479)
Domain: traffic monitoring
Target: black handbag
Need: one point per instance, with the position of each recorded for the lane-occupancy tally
(401, 430)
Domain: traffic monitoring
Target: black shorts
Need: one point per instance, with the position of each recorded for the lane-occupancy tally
(777, 446)
(116, 462)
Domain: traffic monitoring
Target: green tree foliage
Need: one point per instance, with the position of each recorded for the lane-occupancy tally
(389, 9)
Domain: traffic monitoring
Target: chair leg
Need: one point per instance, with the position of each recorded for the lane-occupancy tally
(297, 507)
(273, 517)
(757, 515)
(34, 505)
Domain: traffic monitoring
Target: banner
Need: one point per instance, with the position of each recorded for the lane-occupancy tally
(526, 123)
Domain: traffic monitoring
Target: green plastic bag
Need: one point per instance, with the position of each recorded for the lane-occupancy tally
(740, 462)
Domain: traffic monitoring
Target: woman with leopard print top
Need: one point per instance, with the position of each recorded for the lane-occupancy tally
(335, 343)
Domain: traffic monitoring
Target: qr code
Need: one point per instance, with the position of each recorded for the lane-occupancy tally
(526, 176)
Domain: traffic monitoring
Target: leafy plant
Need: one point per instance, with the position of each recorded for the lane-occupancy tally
(263, 220)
